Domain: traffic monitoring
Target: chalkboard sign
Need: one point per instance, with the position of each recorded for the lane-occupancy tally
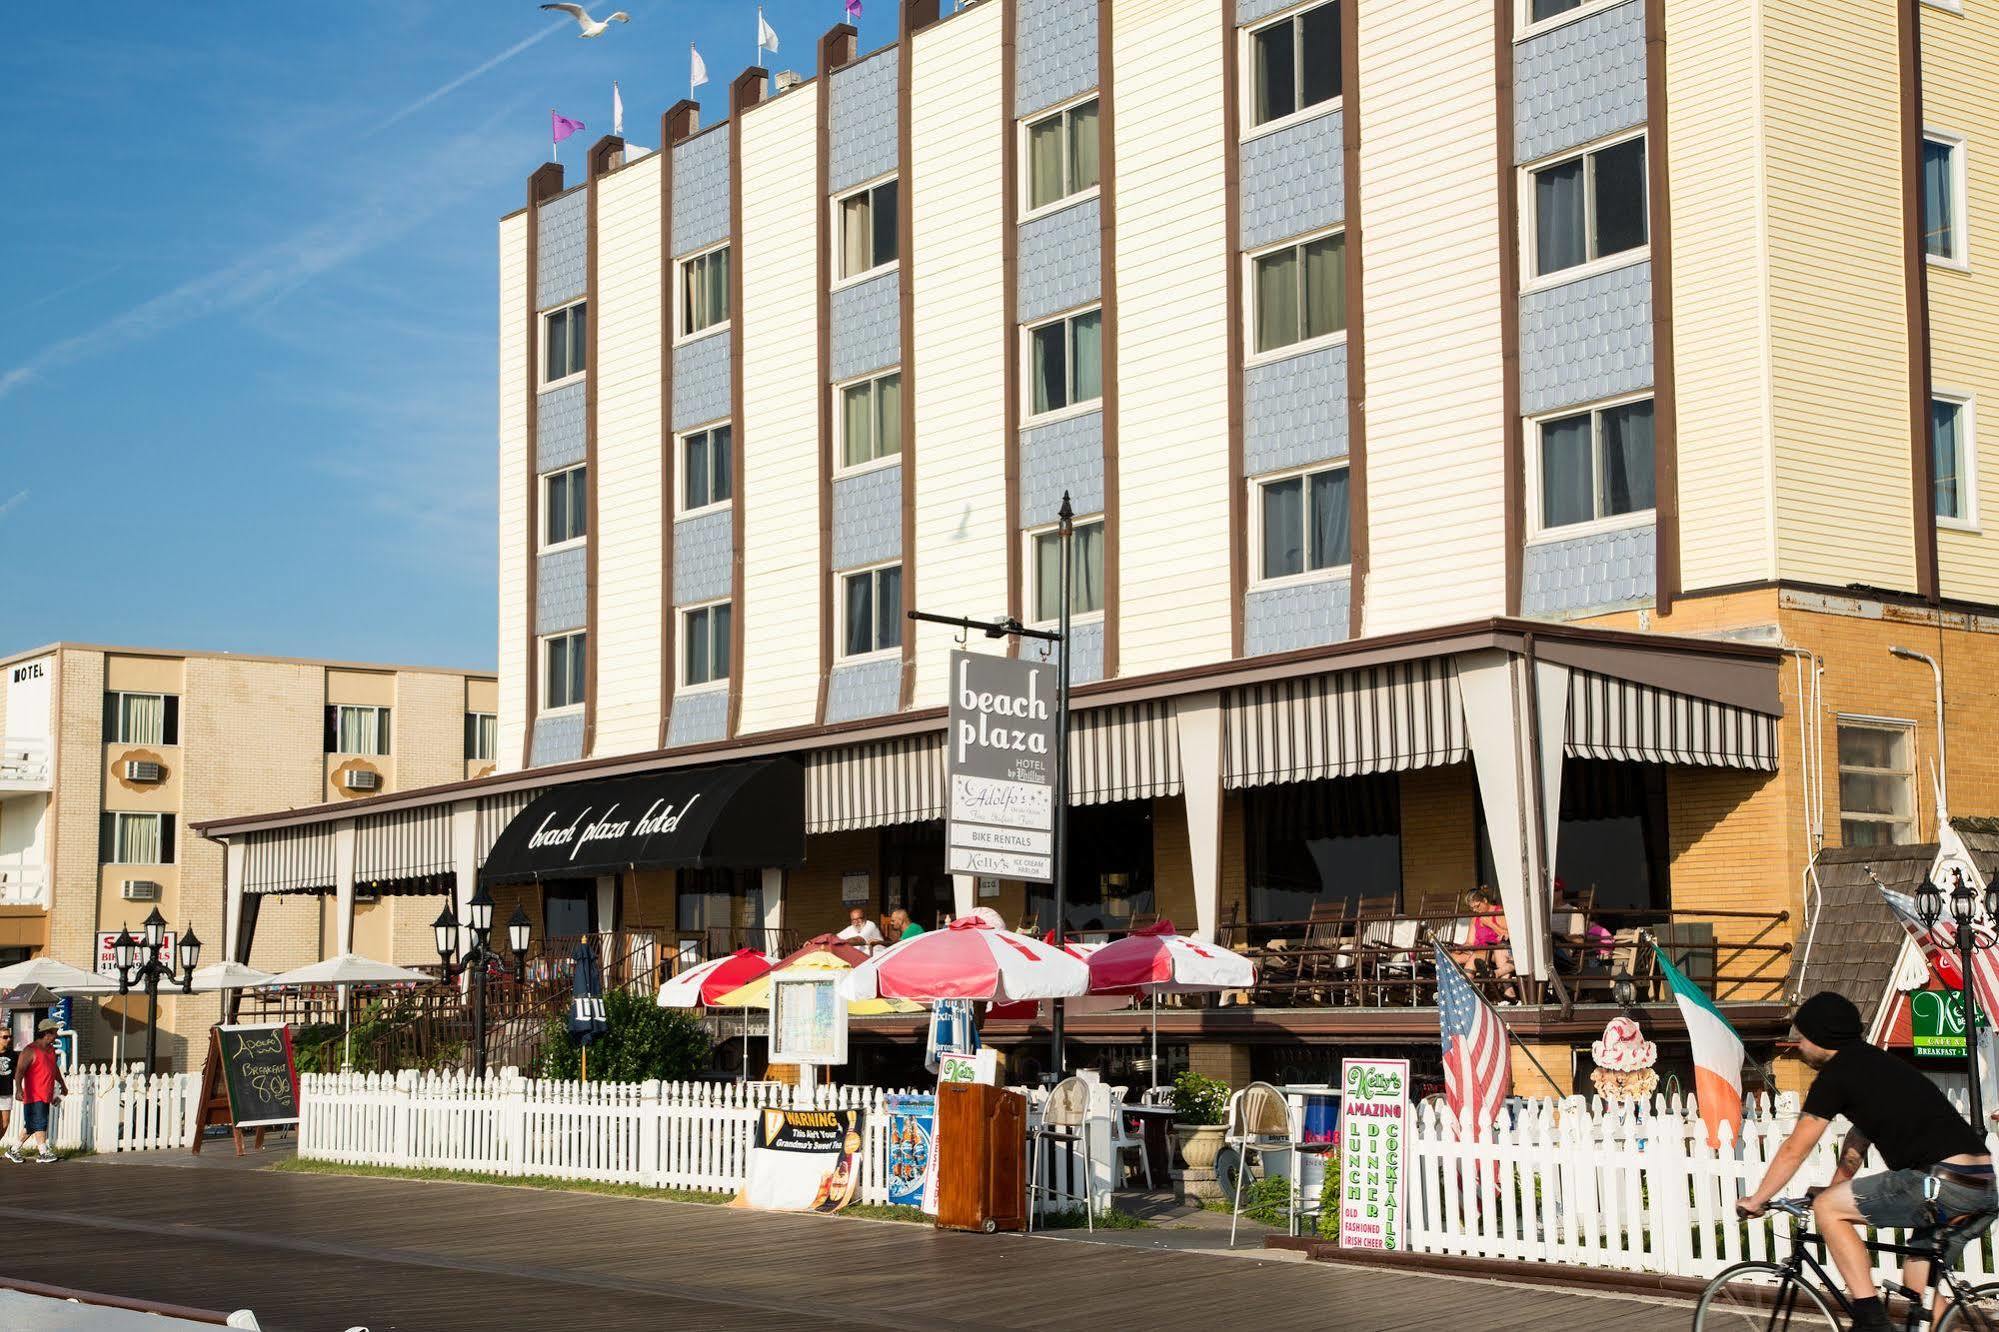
(260, 1074)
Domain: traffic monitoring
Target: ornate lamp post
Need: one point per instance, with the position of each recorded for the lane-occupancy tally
(1964, 907)
(480, 957)
(140, 963)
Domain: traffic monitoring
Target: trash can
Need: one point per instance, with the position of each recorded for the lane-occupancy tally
(1315, 1109)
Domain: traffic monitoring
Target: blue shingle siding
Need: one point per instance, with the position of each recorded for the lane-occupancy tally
(867, 689)
(1089, 662)
(558, 739)
(1295, 411)
(1055, 49)
(867, 517)
(703, 557)
(1303, 615)
(698, 717)
(1592, 572)
(562, 248)
(1586, 339)
(861, 109)
(701, 381)
(1293, 180)
(1579, 81)
(867, 326)
(1061, 263)
(558, 428)
(1065, 455)
(560, 599)
(701, 191)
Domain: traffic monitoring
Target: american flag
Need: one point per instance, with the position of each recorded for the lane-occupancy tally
(1939, 947)
(1478, 1075)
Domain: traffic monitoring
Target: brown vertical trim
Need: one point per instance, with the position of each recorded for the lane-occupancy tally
(838, 47)
(1232, 258)
(1513, 451)
(1107, 265)
(1916, 293)
(545, 183)
(1010, 312)
(1356, 314)
(916, 16)
(603, 155)
(675, 125)
(1665, 395)
(744, 92)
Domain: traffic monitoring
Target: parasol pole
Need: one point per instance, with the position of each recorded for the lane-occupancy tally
(1155, 1039)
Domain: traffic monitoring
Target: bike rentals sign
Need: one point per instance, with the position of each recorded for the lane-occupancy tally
(1000, 759)
(1374, 1130)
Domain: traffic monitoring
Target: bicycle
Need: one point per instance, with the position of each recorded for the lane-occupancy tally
(1798, 1292)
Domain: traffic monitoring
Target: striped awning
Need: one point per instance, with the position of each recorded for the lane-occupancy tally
(867, 786)
(1637, 723)
(1124, 753)
(403, 845)
(495, 813)
(289, 860)
(1388, 718)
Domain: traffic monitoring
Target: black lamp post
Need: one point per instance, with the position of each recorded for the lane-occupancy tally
(478, 959)
(140, 963)
(1964, 906)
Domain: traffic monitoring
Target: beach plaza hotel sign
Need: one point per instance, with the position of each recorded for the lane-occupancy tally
(1000, 760)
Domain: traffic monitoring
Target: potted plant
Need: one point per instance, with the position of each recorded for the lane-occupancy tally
(1200, 1104)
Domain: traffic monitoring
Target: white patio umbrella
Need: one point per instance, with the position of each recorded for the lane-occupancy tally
(228, 976)
(58, 976)
(345, 970)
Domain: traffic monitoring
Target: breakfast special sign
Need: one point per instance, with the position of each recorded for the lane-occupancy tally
(1000, 758)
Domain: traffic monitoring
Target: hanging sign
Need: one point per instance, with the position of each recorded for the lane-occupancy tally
(1936, 1023)
(999, 755)
(1374, 1126)
(981, 1065)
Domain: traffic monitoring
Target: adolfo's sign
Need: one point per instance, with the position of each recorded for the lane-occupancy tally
(1000, 757)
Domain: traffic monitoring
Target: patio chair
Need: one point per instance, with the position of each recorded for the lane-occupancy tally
(1259, 1121)
(1124, 1140)
(1328, 955)
(1065, 1122)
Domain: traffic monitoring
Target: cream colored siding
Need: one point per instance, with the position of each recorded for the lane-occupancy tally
(627, 534)
(1435, 415)
(779, 672)
(1172, 309)
(1838, 326)
(1721, 330)
(958, 174)
(512, 489)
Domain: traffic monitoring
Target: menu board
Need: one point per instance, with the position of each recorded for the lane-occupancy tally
(260, 1075)
(808, 1018)
(1374, 1126)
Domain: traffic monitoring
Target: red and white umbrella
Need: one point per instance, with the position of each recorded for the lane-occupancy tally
(1156, 960)
(706, 983)
(969, 960)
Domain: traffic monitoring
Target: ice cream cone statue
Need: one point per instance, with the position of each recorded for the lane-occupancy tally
(1624, 1060)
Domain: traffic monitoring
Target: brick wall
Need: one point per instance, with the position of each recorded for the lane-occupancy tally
(1173, 865)
(289, 933)
(1729, 854)
(79, 796)
(812, 891)
(1439, 841)
(429, 729)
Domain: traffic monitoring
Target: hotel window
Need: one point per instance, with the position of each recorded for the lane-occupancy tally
(1953, 449)
(868, 229)
(871, 601)
(356, 730)
(1541, 10)
(141, 719)
(136, 839)
(564, 678)
(706, 475)
(1596, 464)
(565, 506)
(482, 736)
(704, 291)
(1589, 207)
(1877, 783)
(1943, 197)
(1294, 64)
(1062, 154)
(1068, 359)
(1304, 521)
(870, 422)
(1299, 291)
(565, 342)
(1086, 571)
(704, 644)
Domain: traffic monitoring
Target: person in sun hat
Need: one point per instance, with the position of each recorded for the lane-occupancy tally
(40, 1081)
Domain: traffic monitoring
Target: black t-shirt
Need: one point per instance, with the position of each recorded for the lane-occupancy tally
(1907, 1118)
(6, 1072)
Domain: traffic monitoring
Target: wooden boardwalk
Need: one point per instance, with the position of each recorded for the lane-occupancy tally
(314, 1252)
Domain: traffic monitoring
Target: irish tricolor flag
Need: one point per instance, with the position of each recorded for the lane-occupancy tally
(1717, 1055)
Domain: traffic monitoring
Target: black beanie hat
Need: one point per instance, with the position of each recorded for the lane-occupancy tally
(1828, 1019)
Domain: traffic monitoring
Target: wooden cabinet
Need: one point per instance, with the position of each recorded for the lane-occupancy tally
(981, 1147)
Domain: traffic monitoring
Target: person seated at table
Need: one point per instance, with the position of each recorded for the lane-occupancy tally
(860, 929)
(1489, 935)
(901, 927)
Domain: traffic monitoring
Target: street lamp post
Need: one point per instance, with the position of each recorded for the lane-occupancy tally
(140, 963)
(478, 959)
(1964, 906)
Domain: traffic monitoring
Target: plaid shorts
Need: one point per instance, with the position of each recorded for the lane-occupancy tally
(1899, 1200)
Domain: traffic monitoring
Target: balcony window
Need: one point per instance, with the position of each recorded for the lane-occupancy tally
(1062, 155)
(705, 644)
(565, 342)
(870, 423)
(1294, 64)
(1596, 464)
(564, 677)
(706, 477)
(1299, 291)
(565, 506)
(1086, 571)
(871, 609)
(1589, 207)
(1305, 523)
(1068, 362)
(868, 237)
(704, 292)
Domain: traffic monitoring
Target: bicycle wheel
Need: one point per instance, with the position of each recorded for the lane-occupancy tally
(1764, 1296)
(1976, 1311)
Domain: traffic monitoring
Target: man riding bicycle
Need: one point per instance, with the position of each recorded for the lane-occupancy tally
(1938, 1168)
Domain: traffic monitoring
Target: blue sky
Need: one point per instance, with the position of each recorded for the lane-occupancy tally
(247, 303)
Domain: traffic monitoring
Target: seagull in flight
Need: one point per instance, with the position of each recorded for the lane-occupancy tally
(591, 27)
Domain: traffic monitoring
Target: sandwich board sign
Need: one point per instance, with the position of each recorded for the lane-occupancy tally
(999, 759)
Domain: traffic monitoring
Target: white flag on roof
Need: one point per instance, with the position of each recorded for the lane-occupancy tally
(766, 35)
(697, 71)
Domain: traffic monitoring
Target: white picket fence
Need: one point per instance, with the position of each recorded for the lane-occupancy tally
(669, 1135)
(108, 1111)
(1635, 1188)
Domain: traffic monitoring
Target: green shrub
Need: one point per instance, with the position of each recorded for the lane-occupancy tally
(641, 1041)
(1329, 1198)
(1199, 1100)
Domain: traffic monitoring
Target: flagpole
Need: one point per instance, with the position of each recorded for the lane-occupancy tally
(554, 150)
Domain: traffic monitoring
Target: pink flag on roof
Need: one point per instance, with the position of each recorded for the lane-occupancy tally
(561, 127)
(854, 10)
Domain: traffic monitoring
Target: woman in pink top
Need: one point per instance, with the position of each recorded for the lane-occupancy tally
(1488, 937)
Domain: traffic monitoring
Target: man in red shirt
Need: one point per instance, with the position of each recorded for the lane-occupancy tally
(39, 1079)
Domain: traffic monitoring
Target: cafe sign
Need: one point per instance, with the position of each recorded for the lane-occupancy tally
(1000, 762)
(1374, 1130)
(1936, 1023)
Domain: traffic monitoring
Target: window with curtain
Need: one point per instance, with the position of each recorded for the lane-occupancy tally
(1590, 207)
(872, 602)
(136, 839)
(352, 729)
(704, 644)
(1951, 457)
(1877, 784)
(1062, 154)
(1597, 464)
(871, 419)
(1086, 571)
(1943, 203)
(1294, 63)
(1068, 361)
(868, 229)
(1300, 292)
(565, 506)
(1305, 523)
(482, 736)
(565, 342)
(564, 677)
(704, 291)
(141, 719)
(1547, 9)
(705, 468)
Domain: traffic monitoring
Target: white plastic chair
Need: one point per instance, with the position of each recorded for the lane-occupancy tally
(1259, 1121)
(1065, 1121)
(1124, 1140)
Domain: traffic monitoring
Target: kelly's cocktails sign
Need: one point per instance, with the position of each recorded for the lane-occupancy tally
(1000, 758)
(1374, 1125)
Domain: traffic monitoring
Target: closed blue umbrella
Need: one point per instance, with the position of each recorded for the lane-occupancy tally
(586, 1001)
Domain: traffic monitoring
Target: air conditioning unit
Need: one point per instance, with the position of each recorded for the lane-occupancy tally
(360, 779)
(140, 890)
(141, 770)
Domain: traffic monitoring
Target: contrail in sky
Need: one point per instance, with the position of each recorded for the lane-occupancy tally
(469, 75)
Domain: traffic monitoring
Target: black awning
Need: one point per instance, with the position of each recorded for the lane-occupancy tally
(732, 816)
